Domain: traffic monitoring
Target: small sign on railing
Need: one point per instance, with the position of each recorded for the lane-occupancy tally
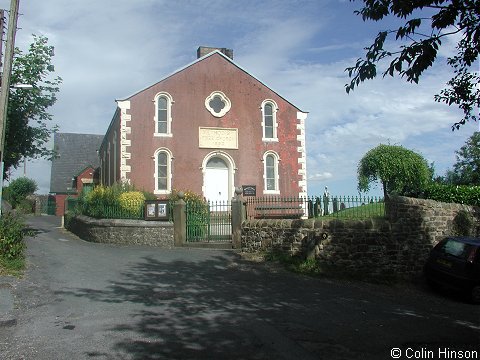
(156, 210)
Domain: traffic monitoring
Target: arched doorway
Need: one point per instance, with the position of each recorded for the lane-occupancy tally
(216, 180)
(218, 169)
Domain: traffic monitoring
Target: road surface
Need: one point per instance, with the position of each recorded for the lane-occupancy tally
(81, 300)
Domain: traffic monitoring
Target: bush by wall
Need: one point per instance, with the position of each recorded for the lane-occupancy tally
(12, 232)
(459, 194)
(188, 196)
(120, 201)
(132, 202)
(197, 210)
(18, 190)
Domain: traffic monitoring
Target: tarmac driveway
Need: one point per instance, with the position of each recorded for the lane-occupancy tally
(81, 300)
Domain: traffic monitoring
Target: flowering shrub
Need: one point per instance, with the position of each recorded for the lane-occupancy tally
(189, 196)
(131, 201)
(119, 201)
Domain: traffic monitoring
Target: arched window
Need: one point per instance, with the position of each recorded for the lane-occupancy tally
(163, 114)
(270, 163)
(163, 171)
(269, 120)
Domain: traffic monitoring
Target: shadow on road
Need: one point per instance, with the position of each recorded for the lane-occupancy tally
(216, 308)
(224, 308)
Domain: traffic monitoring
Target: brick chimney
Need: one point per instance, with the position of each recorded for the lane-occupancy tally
(204, 50)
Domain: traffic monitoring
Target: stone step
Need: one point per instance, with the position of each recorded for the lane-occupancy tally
(223, 245)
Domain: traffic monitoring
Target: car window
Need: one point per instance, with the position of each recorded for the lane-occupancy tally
(456, 248)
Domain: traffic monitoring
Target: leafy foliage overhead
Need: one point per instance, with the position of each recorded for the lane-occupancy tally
(28, 129)
(426, 24)
(401, 171)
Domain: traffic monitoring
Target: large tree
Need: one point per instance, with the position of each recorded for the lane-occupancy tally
(400, 171)
(28, 127)
(466, 171)
(426, 23)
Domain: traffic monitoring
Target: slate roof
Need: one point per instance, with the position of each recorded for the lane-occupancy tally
(74, 153)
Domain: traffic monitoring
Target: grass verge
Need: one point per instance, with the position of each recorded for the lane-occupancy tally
(373, 210)
(312, 267)
(13, 267)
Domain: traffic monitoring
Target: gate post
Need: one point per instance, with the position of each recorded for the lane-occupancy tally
(179, 221)
(238, 216)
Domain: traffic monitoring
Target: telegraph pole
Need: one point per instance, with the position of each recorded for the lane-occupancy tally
(2, 26)
(5, 84)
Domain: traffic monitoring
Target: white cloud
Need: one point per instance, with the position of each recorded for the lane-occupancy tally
(320, 176)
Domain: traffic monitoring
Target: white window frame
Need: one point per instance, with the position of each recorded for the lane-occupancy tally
(170, 102)
(276, 159)
(169, 171)
(274, 116)
(225, 99)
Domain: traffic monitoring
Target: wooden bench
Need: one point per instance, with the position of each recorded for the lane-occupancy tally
(279, 211)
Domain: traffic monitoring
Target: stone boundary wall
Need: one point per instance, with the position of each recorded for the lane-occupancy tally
(396, 246)
(123, 232)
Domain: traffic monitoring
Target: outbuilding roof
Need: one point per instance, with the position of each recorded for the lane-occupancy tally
(74, 152)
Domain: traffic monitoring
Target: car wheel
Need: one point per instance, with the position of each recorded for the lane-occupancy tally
(476, 294)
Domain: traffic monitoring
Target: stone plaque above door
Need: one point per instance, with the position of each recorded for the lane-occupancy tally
(217, 138)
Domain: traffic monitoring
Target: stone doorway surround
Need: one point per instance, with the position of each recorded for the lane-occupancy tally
(215, 170)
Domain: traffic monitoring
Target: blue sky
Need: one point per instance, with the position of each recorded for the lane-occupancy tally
(105, 50)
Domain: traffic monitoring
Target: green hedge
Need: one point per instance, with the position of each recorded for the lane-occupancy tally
(12, 232)
(460, 194)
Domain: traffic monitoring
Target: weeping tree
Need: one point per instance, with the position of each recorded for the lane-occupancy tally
(399, 170)
(28, 126)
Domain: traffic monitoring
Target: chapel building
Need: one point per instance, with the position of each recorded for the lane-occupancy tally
(209, 127)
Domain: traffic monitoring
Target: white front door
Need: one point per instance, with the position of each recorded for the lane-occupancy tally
(216, 180)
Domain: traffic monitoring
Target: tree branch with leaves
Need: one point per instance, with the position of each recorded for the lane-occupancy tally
(417, 50)
(28, 127)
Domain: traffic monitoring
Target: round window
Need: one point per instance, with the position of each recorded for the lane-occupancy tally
(217, 103)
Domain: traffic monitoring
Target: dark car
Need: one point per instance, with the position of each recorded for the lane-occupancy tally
(455, 263)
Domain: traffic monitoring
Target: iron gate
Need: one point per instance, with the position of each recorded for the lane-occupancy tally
(49, 206)
(209, 222)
